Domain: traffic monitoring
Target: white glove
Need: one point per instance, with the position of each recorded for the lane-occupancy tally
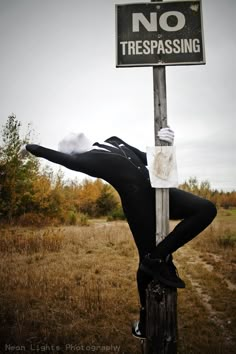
(166, 134)
(23, 152)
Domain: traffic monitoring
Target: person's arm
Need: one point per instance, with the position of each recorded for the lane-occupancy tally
(77, 162)
(51, 155)
(93, 163)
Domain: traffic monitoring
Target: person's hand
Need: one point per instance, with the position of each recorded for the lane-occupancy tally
(27, 149)
(166, 134)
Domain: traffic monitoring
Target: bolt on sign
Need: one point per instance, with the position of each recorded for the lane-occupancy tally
(159, 33)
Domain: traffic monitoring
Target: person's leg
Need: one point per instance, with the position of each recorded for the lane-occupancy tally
(138, 202)
(196, 214)
(142, 280)
(139, 327)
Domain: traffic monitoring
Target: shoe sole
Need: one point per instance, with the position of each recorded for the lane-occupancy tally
(156, 276)
(137, 337)
(134, 333)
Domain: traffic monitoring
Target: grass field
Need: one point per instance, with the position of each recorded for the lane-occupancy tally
(73, 289)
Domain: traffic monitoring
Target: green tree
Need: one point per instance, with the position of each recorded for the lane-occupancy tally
(106, 202)
(16, 171)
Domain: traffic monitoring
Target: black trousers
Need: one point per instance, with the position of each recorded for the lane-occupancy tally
(125, 169)
(195, 214)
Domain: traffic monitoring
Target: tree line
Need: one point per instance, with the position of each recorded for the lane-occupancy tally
(220, 198)
(32, 194)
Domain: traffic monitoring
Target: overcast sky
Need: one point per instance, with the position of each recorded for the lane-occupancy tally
(57, 71)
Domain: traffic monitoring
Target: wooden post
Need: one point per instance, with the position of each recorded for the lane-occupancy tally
(161, 301)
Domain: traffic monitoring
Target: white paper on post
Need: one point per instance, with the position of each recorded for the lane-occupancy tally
(162, 166)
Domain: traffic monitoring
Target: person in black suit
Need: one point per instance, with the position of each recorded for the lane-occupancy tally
(125, 168)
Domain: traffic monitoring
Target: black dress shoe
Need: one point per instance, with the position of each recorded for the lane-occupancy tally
(162, 270)
(173, 270)
(139, 327)
(136, 332)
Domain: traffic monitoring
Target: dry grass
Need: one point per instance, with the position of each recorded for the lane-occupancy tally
(68, 286)
(73, 289)
(207, 309)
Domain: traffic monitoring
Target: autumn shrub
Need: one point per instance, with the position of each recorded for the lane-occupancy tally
(83, 219)
(228, 240)
(71, 218)
(116, 214)
(33, 219)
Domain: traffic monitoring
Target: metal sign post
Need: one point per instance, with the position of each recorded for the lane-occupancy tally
(159, 34)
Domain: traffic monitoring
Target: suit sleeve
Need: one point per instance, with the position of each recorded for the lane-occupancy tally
(94, 163)
(51, 155)
(79, 162)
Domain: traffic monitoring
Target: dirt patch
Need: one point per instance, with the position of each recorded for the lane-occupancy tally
(197, 271)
